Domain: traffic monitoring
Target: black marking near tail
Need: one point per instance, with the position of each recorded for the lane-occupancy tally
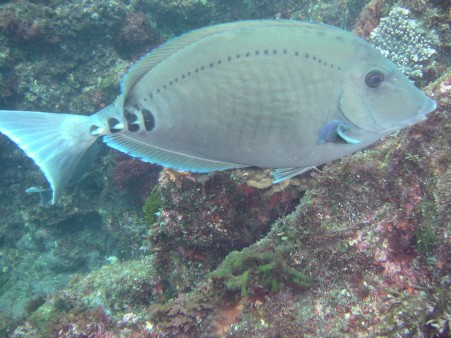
(149, 120)
(132, 119)
(112, 122)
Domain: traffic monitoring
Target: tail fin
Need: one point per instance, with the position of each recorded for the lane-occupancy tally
(56, 142)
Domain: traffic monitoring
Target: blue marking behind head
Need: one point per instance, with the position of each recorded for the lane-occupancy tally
(334, 131)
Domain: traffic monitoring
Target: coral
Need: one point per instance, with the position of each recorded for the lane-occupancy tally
(405, 42)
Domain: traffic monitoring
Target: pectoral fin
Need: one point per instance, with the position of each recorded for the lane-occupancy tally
(335, 131)
(283, 174)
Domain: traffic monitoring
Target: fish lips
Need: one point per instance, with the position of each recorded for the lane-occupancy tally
(422, 114)
(428, 107)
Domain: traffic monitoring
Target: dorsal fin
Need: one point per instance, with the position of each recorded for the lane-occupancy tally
(158, 55)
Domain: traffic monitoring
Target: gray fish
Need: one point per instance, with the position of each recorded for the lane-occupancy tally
(287, 95)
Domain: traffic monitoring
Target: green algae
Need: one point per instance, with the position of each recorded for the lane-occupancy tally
(424, 233)
(152, 205)
(423, 312)
(267, 266)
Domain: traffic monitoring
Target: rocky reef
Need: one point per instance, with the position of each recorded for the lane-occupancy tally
(359, 247)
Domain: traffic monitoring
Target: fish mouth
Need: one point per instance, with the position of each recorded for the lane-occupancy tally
(375, 125)
(427, 107)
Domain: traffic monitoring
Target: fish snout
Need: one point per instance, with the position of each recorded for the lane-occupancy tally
(428, 106)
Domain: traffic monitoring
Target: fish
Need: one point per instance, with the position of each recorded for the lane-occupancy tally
(280, 94)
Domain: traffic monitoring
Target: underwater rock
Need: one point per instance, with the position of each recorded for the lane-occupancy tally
(369, 18)
(203, 221)
(136, 36)
(107, 302)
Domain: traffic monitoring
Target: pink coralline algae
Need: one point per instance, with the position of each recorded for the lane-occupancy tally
(135, 35)
(134, 175)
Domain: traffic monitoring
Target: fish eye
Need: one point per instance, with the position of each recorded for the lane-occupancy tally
(374, 78)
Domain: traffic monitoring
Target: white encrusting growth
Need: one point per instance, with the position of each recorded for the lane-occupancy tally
(405, 41)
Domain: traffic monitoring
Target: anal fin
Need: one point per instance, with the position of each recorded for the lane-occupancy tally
(167, 158)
